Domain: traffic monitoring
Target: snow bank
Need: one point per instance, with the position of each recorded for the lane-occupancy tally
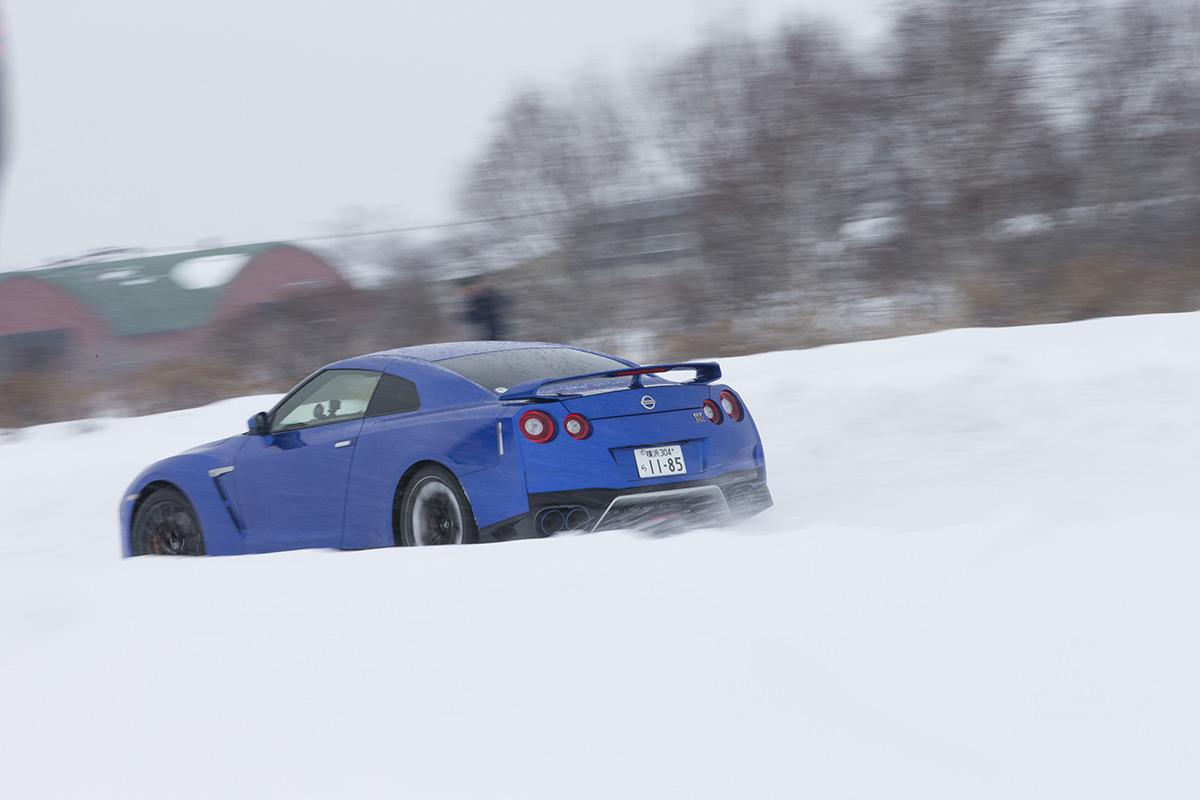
(978, 582)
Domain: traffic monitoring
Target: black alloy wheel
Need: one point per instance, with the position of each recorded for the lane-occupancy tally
(165, 524)
(434, 510)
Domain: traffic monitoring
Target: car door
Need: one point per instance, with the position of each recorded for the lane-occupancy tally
(384, 449)
(291, 483)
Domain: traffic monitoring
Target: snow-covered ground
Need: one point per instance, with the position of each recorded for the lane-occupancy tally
(979, 581)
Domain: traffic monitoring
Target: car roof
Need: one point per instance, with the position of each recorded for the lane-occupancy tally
(440, 385)
(428, 355)
(444, 350)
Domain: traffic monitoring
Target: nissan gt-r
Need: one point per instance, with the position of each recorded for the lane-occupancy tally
(460, 443)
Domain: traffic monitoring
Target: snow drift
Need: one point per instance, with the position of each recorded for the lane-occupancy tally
(978, 581)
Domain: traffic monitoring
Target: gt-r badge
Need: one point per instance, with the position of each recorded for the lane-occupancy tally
(648, 402)
(699, 415)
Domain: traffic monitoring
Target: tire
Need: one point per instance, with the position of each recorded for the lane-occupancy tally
(434, 510)
(166, 524)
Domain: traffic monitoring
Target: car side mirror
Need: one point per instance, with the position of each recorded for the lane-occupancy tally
(259, 424)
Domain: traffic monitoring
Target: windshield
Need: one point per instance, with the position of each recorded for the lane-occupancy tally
(504, 369)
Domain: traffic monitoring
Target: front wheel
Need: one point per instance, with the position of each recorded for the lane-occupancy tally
(435, 510)
(166, 525)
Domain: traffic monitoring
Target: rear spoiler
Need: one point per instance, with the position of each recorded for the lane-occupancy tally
(706, 372)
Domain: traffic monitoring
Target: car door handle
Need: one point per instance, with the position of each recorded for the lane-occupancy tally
(344, 443)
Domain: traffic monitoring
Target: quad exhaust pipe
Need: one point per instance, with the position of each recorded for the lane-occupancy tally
(562, 518)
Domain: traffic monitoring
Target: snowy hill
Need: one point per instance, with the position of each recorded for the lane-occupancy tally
(978, 582)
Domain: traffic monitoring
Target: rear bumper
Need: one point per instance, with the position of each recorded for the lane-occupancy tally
(711, 501)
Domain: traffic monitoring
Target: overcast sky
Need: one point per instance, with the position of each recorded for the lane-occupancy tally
(167, 123)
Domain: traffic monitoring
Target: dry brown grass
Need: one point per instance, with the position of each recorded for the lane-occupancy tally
(174, 385)
(31, 398)
(35, 398)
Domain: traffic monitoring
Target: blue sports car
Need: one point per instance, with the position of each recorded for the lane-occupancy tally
(456, 443)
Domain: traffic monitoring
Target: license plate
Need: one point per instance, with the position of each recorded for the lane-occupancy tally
(655, 462)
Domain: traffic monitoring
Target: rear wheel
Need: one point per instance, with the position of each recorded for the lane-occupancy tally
(435, 510)
(166, 525)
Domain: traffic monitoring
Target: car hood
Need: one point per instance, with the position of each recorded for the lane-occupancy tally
(230, 445)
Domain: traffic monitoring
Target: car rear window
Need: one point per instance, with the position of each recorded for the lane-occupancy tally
(504, 369)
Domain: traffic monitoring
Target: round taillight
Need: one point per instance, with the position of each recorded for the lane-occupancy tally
(712, 412)
(577, 426)
(732, 406)
(538, 426)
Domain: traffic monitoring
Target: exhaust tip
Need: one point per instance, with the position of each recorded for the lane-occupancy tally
(577, 518)
(562, 518)
(551, 521)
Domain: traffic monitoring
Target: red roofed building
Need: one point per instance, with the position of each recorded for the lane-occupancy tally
(137, 310)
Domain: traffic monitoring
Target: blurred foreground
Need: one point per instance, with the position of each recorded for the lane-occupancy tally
(977, 582)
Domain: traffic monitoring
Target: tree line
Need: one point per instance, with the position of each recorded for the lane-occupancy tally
(984, 163)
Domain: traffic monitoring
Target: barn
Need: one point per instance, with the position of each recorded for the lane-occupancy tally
(108, 313)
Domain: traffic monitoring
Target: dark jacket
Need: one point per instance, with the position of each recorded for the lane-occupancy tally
(486, 311)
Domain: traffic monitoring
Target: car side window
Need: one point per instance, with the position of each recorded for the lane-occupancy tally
(393, 395)
(335, 395)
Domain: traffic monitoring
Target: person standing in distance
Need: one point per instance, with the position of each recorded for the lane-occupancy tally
(484, 308)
